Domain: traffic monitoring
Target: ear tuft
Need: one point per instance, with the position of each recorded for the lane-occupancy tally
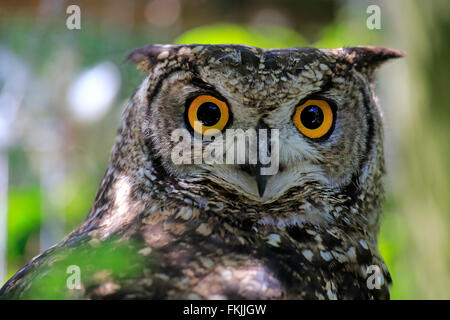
(147, 57)
(368, 59)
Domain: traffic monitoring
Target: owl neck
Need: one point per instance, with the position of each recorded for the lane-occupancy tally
(126, 197)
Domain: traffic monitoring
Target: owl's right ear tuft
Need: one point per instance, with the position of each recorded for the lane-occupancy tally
(147, 57)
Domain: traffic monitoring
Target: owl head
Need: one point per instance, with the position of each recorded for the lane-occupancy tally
(282, 134)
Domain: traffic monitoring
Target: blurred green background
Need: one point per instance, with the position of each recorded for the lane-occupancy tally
(62, 93)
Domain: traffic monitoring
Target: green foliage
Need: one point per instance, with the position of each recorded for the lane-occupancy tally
(343, 35)
(393, 243)
(109, 260)
(264, 37)
(80, 195)
(23, 218)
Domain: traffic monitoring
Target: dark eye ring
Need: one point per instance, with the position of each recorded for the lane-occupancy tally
(314, 118)
(206, 114)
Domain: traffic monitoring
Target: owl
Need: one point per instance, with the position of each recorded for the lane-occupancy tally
(179, 216)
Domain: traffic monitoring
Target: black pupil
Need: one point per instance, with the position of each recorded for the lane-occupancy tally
(208, 114)
(311, 117)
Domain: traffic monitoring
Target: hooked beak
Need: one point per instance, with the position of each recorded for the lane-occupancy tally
(256, 169)
(261, 180)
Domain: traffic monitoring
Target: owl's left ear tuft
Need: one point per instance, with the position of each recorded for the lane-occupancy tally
(147, 57)
(368, 59)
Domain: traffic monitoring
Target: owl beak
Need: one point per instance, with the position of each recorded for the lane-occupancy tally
(261, 180)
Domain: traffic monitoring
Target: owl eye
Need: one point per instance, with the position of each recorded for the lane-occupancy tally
(314, 118)
(206, 112)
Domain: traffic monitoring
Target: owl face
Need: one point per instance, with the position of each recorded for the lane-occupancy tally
(310, 111)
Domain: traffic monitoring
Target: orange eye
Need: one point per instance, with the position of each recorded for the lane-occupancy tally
(206, 112)
(314, 118)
